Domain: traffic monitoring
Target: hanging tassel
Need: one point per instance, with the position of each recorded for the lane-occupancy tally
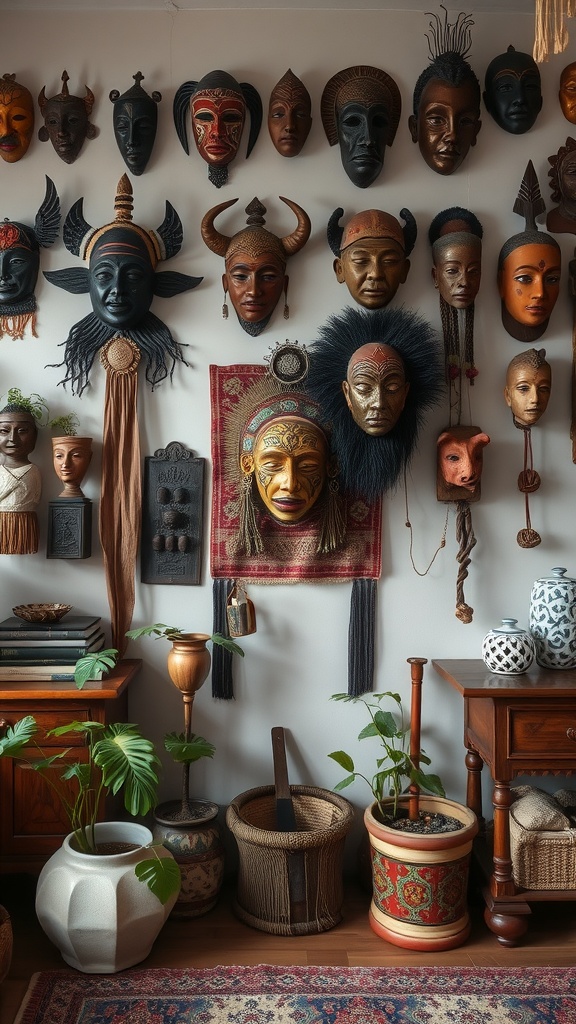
(361, 637)
(222, 679)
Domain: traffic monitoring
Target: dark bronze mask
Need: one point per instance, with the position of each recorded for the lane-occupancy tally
(66, 121)
(512, 91)
(135, 119)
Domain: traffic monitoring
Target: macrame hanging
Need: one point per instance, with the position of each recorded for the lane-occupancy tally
(550, 33)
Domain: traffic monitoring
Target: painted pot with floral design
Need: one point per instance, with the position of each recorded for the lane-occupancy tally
(420, 880)
(197, 848)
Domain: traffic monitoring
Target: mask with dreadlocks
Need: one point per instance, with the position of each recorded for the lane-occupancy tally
(446, 104)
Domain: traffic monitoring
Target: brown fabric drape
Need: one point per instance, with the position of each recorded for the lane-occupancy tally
(120, 501)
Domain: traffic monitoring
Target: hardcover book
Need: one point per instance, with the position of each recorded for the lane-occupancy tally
(74, 627)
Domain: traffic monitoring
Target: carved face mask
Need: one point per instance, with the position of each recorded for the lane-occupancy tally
(121, 278)
(371, 254)
(529, 282)
(135, 120)
(71, 457)
(19, 263)
(16, 119)
(360, 110)
(528, 386)
(513, 91)
(289, 461)
(18, 436)
(66, 121)
(447, 123)
(460, 457)
(457, 267)
(289, 115)
(567, 93)
(376, 388)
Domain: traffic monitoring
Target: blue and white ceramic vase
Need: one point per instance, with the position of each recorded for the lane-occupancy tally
(508, 650)
(553, 620)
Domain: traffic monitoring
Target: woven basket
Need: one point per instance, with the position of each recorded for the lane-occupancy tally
(5, 943)
(542, 859)
(290, 883)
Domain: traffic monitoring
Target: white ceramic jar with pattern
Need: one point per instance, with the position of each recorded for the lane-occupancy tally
(508, 650)
(553, 620)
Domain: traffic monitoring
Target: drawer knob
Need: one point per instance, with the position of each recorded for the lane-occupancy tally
(571, 733)
(4, 723)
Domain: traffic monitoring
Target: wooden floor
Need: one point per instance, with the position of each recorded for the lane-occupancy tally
(219, 938)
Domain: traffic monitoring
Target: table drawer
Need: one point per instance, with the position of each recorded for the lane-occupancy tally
(47, 720)
(539, 731)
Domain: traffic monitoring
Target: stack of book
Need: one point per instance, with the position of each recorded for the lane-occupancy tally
(47, 650)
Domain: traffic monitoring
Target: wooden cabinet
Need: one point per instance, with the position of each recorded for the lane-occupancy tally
(32, 823)
(517, 725)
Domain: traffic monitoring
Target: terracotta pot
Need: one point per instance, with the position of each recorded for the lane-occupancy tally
(420, 882)
(69, 442)
(189, 662)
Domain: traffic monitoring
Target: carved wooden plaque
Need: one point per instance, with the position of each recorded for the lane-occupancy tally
(172, 516)
(69, 528)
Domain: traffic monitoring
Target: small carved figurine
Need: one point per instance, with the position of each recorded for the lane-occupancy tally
(255, 261)
(360, 110)
(372, 254)
(16, 119)
(135, 119)
(217, 105)
(445, 118)
(513, 91)
(66, 121)
(289, 115)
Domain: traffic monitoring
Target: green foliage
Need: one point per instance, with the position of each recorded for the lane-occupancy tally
(160, 629)
(94, 665)
(187, 751)
(34, 404)
(161, 874)
(67, 424)
(396, 765)
(119, 759)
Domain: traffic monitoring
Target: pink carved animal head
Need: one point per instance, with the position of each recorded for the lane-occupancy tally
(460, 458)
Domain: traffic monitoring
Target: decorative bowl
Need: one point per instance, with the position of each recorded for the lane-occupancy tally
(41, 612)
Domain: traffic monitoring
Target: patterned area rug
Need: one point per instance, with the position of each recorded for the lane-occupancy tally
(305, 995)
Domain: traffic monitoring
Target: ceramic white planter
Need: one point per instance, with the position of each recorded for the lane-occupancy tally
(94, 909)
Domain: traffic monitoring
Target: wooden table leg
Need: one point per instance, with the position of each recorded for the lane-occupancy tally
(508, 920)
(474, 765)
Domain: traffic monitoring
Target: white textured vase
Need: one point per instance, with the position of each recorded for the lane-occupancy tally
(553, 620)
(508, 650)
(94, 909)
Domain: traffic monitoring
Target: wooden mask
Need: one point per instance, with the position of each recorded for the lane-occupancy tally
(567, 92)
(513, 91)
(289, 115)
(562, 174)
(460, 452)
(528, 384)
(135, 119)
(16, 119)
(66, 121)
(217, 105)
(372, 254)
(360, 110)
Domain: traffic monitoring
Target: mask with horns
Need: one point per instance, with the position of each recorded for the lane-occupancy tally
(66, 120)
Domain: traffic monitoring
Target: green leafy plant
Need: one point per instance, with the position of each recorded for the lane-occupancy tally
(159, 629)
(34, 404)
(94, 665)
(67, 425)
(395, 765)
(119, 759)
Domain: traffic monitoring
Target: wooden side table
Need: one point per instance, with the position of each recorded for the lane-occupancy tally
(32, 823)
(517, 725)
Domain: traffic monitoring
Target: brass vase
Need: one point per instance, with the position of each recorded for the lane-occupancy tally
(188, 667)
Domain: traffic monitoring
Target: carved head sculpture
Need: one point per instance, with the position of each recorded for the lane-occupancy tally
(20, 261)
(66, 120)
(71, 456)
(460, 456)
(372, 254)
(18, 434)
(135, 119)
(528, 385)
(562, 175)
(360, 110)
(217, 104)
(289, 115)
(529, 267)
(374, 373)
(255, 261)
(122, 280)
(567, 92)
(513, 91)
(445, 118)
(455, 235)
(16, 119)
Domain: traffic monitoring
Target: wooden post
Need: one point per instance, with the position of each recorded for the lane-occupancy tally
(415, 729)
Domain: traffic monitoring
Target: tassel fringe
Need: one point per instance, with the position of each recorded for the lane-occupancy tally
(361, 637)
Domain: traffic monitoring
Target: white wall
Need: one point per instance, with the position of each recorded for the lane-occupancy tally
(298, 656)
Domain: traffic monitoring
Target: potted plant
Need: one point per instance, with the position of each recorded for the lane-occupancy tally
(90, 899)
(420, 845)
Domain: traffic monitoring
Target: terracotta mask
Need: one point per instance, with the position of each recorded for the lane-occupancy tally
(360, 110)
(529, 266)
(562, 175)
(135, 120)
(217, 105)
(371, 254)
(567, 93)
(66, 121)
(71, 457)
(16, 119)
(376, 388)
(460, 456)
(445, 118)
(289, 461)
(255, 261)
(513, 91)
(528, 385)
(289, 115)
